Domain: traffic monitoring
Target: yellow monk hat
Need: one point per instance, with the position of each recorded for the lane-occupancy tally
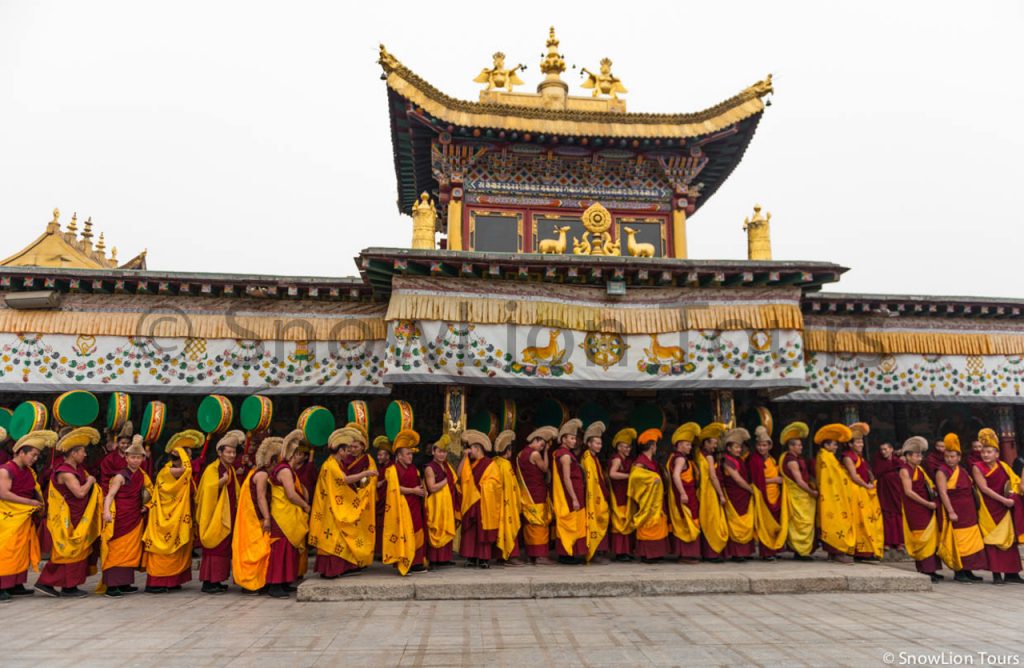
(952, 442)
(839, 433)
(408, 439)
(78, 437)
(688, 432)
(649, 435)
(504, 440)
(988, 438)
(713, 430)
(233, 439)
(546, 433)
(595, 430)
(188, 439)
(474, 437)
(344, 436)
(364, 435)
(794, 430)
(382, 442)
(40, 439)
(271, 447)
(293, 441)
(627, 436)
(860, 429)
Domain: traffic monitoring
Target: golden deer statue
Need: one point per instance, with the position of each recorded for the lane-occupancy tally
(635, 249)
(535, 354)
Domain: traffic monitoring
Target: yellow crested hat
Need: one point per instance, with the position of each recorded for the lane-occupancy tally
(570, 428)
(688, 431)
(794, 430)
(546, 433)
(188, 439)
(503, 440)
(78, 437)
(407, 438)
(343, 436)
(860, 429)
(474, 437)
(382, 442)
(233, 438)
(649, 435)
(595, 430)
(988, 438)
(713, 430)
(364, 435)
(627, 435)
(737, 435)
(40, 439)
(833, 432)
(951, 442)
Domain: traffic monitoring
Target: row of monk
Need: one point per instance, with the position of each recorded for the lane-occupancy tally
(713, 498)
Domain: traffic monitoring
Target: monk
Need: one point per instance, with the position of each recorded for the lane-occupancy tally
(596, 486)
(917, 509)
(568, 496)
(404, 541)
(974, 454)
(961, 546)
(934, 459)
(301, 456)
(113, 461)
(621, 531)
(382, 455)
(646, 495)
(250, 540)
(509, 523)
(867, 513)
(21, 500)
(74, 516)
(481, 499)
(1000, 490)
(289, 521)
(800, 497)
(771, 513)
(886, 468)
(683, 502)
(124, 518)
(532, 467)
(835, 505)
(216, 506)
(739, 510)
(443, 505)
(168, 534)
(713, 526)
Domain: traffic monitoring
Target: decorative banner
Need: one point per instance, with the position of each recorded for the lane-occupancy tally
(428, 351)
(58, 362)
(867, 377)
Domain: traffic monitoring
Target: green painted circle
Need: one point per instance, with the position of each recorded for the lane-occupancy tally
(255, 410)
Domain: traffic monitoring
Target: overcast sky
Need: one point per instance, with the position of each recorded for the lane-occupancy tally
(253, 137)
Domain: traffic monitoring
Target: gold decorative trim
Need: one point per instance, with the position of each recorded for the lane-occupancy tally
(922, 343)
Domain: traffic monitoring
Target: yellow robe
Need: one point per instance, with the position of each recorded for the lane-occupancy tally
(923, 543)
(596, 505)
(800, 509)
(400, 539)
(488, 494)
(868, 527)
(343, 517)
(19, 540)
(440, 513)
(681, 521)
(536, 513)
(621, 522)
(646, 494)
(509, 522)
(835, 507)
(955, 544)
(250, 545)
(73, 543)
(712, 515)
(125, 551)
(770, 532)
(999, 535)
(213, 506)
(168, 535)
(570, 525)
(290, 517)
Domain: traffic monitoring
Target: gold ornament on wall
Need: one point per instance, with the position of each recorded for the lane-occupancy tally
(597, 221)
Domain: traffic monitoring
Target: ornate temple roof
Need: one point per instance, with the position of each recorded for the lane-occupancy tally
(64, 248)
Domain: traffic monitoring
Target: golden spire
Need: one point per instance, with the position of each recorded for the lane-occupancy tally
(553, 63)
(101, 246)
(54, 225)
(73, 225)
(113, 255)
(759, 243)
(87, 232)
(554, 92)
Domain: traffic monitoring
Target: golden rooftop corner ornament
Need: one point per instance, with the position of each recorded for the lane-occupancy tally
(604, 83)
(424, 222)
(598, 221)
(759, 243)
(499, 76)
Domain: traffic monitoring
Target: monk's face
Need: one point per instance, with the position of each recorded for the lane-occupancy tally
(356, 449)
(796, 447)
(709, 446)
(383, 457)
(440, 455)
(595, 444)
(989, 455)
(976, 446)
(111, 445)
(76, 456)
(123, 443)
(763, 448)
(29, 456)
(831, 446)
(228, 454)
(299, 458)
(569, 441)
(885, 450)
(734, 449)
(537, 444)
(476, 452)
(134, 461)
(404, 456)
(913, 458)
(684, 448)
(951, 457)
(622, 449)
(940, 446)
(857, 445)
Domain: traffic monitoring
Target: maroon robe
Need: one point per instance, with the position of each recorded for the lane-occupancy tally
(758, 479)
(579, 549)
(331, 566)
(215, 565)
(283, 567)
(651, 549)
(70, 575)
(443, 555)
(961, 498)
(890, 497)
(677, 547)
(933, 461)
(477, 542)
(111, 464)
(129, 515)
(805, 473)
(410, 477)
(999, 561)
(537, 486)
(917, 515)
(620, 543)
(740, 499)
(860, 465)
(23, 484)
(379, 505)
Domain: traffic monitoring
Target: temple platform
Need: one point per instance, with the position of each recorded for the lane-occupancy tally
(381, 583)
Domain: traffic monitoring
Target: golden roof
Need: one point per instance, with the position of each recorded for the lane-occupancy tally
(64, 248)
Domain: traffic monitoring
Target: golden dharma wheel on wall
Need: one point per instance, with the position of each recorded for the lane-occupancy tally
(596, 219)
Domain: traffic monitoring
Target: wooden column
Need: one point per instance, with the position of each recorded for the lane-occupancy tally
(679, 234)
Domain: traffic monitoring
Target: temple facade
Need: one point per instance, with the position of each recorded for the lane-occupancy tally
(549, 276)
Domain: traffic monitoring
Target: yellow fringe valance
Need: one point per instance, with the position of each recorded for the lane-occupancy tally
(277, 327)
(923, 343)
(643, 320)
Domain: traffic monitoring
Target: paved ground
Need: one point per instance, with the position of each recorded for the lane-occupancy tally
(191, 629)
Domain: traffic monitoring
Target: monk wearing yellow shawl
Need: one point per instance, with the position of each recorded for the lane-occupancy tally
(443, 506)
(343, 522)
(168, 535)
(124, 519)
(801, 498)
(403, 543)
(482, 497)
(868, 524)
(961, 546)
(682, 499)
(74, 516)
(21, 500)
(508, 527)
(568, 496)
(920, 526)
(250, 540)
(596, 490)
(621, 532)
(999, 491)
(216, 507)
(771, 513)
(532, 468)
(835, 507)
(647, 500)
(713, 526)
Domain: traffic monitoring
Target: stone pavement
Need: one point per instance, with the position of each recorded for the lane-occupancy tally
(192, 629)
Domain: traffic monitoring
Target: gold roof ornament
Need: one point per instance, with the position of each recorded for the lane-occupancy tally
(604, 83)
(424, 222)
(759, 243)
(597, 220)
(64, 248)
(554, 92)
(554, 62)
(499, 76)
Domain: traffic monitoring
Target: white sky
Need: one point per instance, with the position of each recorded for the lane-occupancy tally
(253, 137)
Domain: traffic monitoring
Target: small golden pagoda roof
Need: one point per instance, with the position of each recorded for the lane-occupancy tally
(65, 248)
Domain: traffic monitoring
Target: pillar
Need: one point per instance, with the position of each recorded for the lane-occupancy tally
(679, 233)
(1007, 431)
(455, 241)
(725, 407)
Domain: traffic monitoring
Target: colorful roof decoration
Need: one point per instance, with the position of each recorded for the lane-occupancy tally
(63, 248)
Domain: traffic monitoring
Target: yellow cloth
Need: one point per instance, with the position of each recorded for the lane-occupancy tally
(800, 509)
(835, 508)
(169, 528)
(597, 505)
(681, 521)
(508, 525)
(771, 532)
(250, 545)
(621, 521)
(772, 489)
(73, 543)
(741, 526)
(536, 513)
(213, 506)
(570, 525)
(19, 541)
(712, 516)
(999, 535)
(487, 494)
(440, 513)
(646, 494)
(923, 543)
(342, 517)
(125, 550)
(399, 538)
(290, 517)
(869, 530)
(955, 544)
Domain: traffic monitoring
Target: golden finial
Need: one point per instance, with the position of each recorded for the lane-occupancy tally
(604, 83)
(87, 232)
(762, 88)
(387, 61)
(499, 76)
(101, 246)
(113, 254)
(56, 215)
(73, 225)
(759, 243)
(553, 62)
(424, 222)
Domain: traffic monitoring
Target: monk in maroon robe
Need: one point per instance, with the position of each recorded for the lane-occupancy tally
(993, 481)
(573, 487)
(886, 468)
(283, 566)
(683, 492)
(765, 471)
(411, 487)
(215, 565)
(934, 459)
(18, 486)
(125, 491)
(621, 544)
(383, 456)
(917, 506)
(477, 544)
(957, 494)
(735, 479)
(533, 465)
(439, 474)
